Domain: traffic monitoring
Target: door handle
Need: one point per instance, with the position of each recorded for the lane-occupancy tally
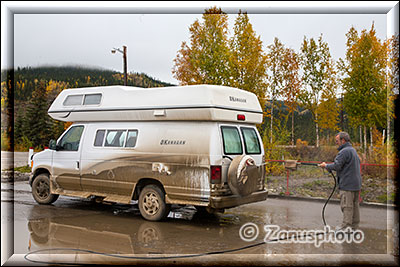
(77, 165)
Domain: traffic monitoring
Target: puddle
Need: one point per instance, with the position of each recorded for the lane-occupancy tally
(120, 230)
(130, 234)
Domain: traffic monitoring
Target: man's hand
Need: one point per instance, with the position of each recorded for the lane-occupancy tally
(322, 165)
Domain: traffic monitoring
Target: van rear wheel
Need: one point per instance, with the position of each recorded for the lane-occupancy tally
(152, 204)
(41, 190)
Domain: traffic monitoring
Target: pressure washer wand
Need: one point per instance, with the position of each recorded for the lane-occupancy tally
(309, 163)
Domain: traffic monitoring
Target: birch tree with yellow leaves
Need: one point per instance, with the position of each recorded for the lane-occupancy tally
(365, 80)
(206, 59)
(291, 82)
(248, 60)
(317, 72)
(213, 58)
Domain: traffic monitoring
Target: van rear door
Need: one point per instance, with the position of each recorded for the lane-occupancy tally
(252, 143)
(240, 140)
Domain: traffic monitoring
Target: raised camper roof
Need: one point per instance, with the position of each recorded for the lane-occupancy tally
(126, 103)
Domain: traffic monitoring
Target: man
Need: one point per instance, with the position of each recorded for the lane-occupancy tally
(347, 167)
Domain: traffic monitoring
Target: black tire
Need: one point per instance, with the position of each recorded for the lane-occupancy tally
(41, 190)
(152, 203)
(149, 233)
(39, 230)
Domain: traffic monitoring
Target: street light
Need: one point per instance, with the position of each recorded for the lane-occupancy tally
(123, 52)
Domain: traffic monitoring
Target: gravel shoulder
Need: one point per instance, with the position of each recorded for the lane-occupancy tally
(7, 176)
(373, 190)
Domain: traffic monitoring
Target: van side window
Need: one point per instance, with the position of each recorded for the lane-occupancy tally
(92, 99)
(251, 143)
(70, 140)
(115, 138)
(131, 138)
(73, 100)
(231, 139)
(98, 141)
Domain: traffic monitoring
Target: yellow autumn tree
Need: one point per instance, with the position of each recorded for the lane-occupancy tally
(317, 70)
(275, 79)
(364, 71)
(206, 59)
(291, 82)
(248, 60)
(329, 108)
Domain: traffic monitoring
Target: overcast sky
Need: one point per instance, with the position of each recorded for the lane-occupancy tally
(154, 39)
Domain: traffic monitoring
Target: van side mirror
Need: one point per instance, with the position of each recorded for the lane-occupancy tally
(53, 144)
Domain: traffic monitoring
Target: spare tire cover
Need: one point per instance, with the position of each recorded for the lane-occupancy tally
(242, 175)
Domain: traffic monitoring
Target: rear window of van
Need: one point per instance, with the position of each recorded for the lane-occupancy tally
(231, 139)
(251, 143)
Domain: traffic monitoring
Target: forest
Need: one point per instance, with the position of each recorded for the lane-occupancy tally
(34, 89)
(308, 95)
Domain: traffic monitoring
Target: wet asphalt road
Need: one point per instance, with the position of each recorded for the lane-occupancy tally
(81, 225)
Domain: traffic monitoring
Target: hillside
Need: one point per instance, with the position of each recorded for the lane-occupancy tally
(36, 88)
(75, 76)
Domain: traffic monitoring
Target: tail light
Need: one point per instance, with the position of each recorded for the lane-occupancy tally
(241, 117)
(215, 174)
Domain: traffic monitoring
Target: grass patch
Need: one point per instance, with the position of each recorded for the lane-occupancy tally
(308, 192)
(316, 184)
(24, 169)
(308, 172)
(384, 198)
(364, 193)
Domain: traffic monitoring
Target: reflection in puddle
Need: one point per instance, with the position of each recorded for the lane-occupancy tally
(120, 229)
(130, 234)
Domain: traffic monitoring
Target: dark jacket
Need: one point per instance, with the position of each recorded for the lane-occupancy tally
(347, 167)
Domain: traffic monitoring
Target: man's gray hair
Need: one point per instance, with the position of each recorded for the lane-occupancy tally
(345, 136)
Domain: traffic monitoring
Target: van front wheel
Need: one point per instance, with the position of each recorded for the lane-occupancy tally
(152, 203)
(41, 190)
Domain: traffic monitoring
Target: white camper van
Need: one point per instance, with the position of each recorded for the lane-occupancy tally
(193, 145)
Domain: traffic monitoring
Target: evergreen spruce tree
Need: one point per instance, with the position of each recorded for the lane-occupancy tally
(19, 125)
(38, 127)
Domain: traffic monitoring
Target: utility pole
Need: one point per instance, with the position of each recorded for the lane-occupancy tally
(123, 52)
(125, 67)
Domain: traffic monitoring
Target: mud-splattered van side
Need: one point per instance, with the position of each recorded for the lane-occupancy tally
(206, 153)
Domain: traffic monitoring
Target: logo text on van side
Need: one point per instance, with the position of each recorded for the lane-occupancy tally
(236, 99)
(172, 142)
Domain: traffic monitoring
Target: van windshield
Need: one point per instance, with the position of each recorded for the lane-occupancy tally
(232, 142)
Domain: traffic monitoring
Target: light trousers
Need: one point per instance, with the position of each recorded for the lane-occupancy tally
(350, 208)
